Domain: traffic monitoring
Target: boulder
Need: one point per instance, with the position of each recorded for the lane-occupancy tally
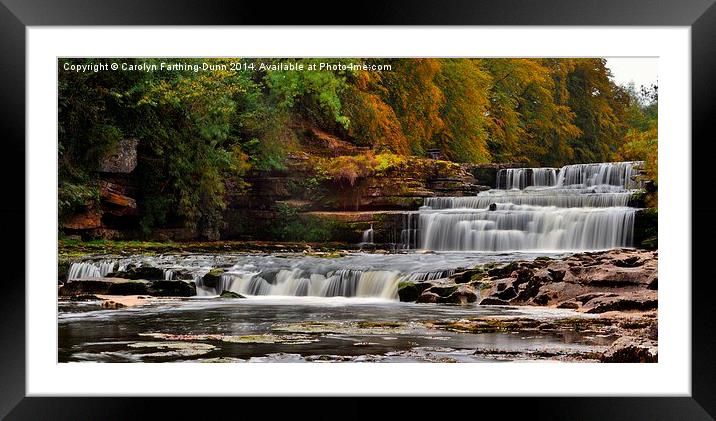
(408, 292)
(503, 271)
(172, 289)
(428, 297)
(120, 286)
(443, 290)
(632, 302)
(629, 349)
(568, 304)
(114, 201)
(123, 160)
(212, 278)
(104, 286)
(463, 295)
(492, 301)
(230, 294)
(506, 294)
(112, 304)
(143, 272)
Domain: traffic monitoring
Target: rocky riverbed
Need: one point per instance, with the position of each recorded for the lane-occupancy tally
(594, 306)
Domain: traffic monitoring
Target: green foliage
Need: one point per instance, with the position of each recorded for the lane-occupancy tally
(351, 168)
(465, 85)
(641, 142)
(288, 225)
(200, 132)
(71, 197)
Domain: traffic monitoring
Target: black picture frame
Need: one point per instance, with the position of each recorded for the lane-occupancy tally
(16, 15)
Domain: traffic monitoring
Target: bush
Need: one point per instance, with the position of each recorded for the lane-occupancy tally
(289, 225)
(73, 196)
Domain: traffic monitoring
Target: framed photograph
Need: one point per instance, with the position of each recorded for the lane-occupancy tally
(383, 210)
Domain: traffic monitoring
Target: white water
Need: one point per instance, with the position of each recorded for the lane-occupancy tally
(519, 178)
(297, 282)
(578, 207)
(368, 236)
(575, 208)
(90, 269)
(360, 275)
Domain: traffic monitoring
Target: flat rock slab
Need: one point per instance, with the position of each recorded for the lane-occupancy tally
(121, 286)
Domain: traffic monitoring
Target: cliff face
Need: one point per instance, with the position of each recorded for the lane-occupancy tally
(329, 209)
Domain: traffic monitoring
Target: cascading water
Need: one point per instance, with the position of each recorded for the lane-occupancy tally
(297, 282)
(363, 275)
(578, 207)
(368, 236)
(82, 270)
(519, 178)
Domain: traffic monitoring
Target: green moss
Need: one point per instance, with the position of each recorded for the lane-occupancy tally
(63, 269)
(405, 284)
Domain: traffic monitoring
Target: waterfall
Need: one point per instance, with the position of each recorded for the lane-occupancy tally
(362, 275)
(82, 270)
(578, 207)
(519, 178)
(521, 227)
(368, 236)
(609, 173)
(298, 282)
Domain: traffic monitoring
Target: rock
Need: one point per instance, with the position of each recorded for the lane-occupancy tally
(556, 274)
(112, 304)
(585, 298)
(530, 290)
(212, 278)
(653, 284)
(491, 301)
(629, 349)
(506, 294)
(63, 269)
(230, 294)
(172, 289)
(428, 297)
(83, 220)
(628, 262)
(568, 304)
(103, 233)
(408, 292)
(182, 275)
(442, 290)
(622, 303)
(124, 160)
(493, 207)
(468, 275)
(463, 295)
(84, 297)
(104, 286)
(114, 201)
(143, 272)
(121, 286)
(503, 271)
(135, 287)
(523, 275)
